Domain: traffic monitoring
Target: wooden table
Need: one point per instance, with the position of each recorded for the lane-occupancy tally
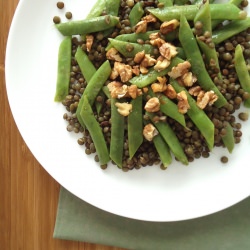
(28, 194)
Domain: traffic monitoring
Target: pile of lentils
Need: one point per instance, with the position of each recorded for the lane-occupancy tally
(192, 141)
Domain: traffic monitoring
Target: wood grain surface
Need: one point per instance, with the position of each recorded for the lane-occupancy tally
(28, 194)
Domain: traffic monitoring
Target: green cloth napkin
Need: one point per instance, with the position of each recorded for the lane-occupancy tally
(225, 230)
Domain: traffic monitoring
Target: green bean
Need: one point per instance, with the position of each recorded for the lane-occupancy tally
(225, 11)
(117, 134)
(131, 49)
(112, 8)
(106, 91)
(144, 80)
(136, 14)
(204, 16)
(170, 138)
(163, 150)
(135, 136)
(242, 72)
(86, 66)
(63, 69)
(168, 107)
(87, 26)
(194, 56)
(94, 86)
(198, 116)
(95, 131)
(229, 30)
(228, 139)
(97, 9)
(166, 3)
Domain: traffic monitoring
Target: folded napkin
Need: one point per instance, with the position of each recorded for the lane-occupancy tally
(225, 230)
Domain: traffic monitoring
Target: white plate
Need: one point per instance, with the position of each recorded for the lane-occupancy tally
(150, 194)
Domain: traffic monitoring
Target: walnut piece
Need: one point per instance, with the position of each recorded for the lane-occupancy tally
(89, 42)
(133, 91)
(149, 132)
(139, 57)
(141, 27)
(188, 79)
(206, 98)
(195, 90)
(156, 41)
(183, 105)
(123, 108)
(161, 63)
(169, 26)
(159, 86)
(148, 61)
(149, 18)
(170, 92)
(152, 105)
(113, 54)
(179, 70)
(168, 50)
(123, 70)
(117, 89)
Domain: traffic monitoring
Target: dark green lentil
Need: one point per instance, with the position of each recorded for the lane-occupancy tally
(68, 15)
(224, 159)
(56, 19)
(60, 5)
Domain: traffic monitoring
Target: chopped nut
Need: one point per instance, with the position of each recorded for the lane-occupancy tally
(183, 105)
(161, 86)
(113, 54)
(161, 63)
(195, 90)
(170, 92)
(154, 36)
(141, 27)
(145, 90)
(206, 98)
(169, 26)
(152, 105)
(188, 79)
(136, 70)
(149, 132)
(117, 89)
(89, 42)
(149, 18)
(179, 70)
(124, 70)
(139, 57)
(157, 42)
(143, 70)
(133, 91)
(148, 61)
(123, 108)
(168, 50)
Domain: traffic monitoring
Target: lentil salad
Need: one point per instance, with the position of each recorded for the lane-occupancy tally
(122, 138)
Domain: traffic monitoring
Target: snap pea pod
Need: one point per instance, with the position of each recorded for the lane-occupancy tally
(222, 11)
(229, 30)
(198, 116)
(87, 26)
(97, 9)
(194, 56)
(135, 126)
(117, 135)
(168, 107)
(163, 150)
(111, 8)
(95, 131)
(134, 37)
(95, 85)
(86, 66)
(144, 80)
(204, 16)
(131, 49)
(63, 69)
(136, 14)
(170, 138)
(242, 72)
(228, 139)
